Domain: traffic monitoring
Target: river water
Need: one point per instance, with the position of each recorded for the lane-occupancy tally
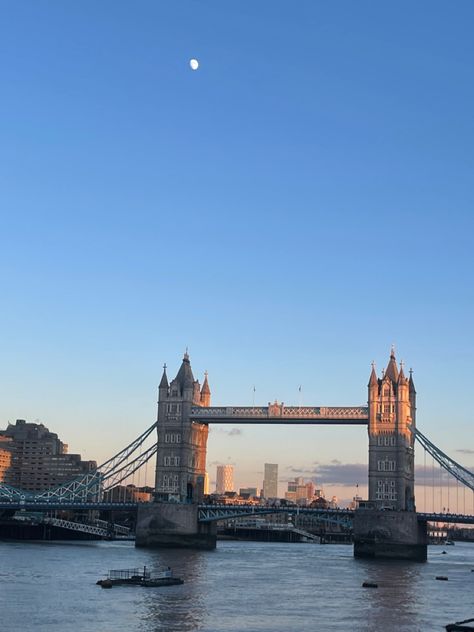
(240, 586)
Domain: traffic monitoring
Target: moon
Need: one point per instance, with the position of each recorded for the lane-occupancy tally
(194, 64)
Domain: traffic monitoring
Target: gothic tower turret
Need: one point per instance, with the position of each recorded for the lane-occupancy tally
(205, 392)
(391, 438)
(182, 443)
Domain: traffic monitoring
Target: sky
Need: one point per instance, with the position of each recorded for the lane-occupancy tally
(288, 211)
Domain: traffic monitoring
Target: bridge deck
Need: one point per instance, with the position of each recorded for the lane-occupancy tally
(209, 513)
(280, 414)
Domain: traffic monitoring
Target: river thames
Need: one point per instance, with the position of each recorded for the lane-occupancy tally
(239, 586)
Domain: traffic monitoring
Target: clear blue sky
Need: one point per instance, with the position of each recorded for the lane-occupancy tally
(287, 211)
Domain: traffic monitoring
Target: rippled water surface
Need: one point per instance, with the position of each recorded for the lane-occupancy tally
(239, 586)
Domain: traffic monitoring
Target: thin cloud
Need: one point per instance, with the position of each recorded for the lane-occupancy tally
(334, 473)
(465, 451)
(230, 432)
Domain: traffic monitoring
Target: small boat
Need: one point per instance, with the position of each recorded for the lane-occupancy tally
(139, 577)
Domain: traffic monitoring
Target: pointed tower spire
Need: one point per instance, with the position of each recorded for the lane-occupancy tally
(392, 370)
(205, 392)
(401, 375)
(373, 381)
(411, 383)
(185, 377)
(164, 378)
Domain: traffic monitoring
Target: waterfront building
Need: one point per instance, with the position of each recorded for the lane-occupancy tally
(270, 480)
(38, 459)
(5, 457)
(224, 479)
(128, 493)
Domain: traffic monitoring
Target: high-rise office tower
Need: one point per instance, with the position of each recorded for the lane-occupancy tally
(270, 480)
(224, 479)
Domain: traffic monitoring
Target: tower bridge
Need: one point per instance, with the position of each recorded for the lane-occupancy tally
(386, 524)
(185, 412)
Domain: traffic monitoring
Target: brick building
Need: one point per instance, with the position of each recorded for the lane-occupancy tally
(34, 459)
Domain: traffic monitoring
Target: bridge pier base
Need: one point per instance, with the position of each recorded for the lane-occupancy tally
(389, 534)
(173, 525)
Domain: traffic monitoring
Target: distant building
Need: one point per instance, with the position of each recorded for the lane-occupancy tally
(224, 479)
(128, 493)
(38, 459)
(301, 492)
(248, 492)
(354, 504)
(5, 457)
(270, 480)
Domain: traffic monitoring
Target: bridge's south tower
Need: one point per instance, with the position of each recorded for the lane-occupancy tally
(181, 459)
(392, 408)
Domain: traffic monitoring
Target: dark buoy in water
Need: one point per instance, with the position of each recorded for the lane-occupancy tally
(370, 585)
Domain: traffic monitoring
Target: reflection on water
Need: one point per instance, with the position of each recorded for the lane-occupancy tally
(240, 586)
(393, 603)
(173, 610)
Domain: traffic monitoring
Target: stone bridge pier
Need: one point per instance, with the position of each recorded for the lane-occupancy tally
(173, 525)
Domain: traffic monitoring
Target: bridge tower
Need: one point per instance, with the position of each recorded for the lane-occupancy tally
(392, 418)
(181, 459)
(172, 519)
(387, 525)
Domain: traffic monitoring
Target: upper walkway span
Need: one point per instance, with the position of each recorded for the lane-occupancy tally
(280, 414)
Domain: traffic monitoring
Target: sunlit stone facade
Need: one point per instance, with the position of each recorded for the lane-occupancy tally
(392, 416)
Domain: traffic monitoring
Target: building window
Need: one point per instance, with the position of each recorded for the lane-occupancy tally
(386, 466)
(385, 440)
(385, 490)
(172, 437)
(171, 460)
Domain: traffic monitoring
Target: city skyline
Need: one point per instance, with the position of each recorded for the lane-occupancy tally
(287, 211)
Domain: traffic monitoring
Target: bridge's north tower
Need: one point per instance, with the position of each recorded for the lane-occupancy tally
(392, 411)
(181, 460)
